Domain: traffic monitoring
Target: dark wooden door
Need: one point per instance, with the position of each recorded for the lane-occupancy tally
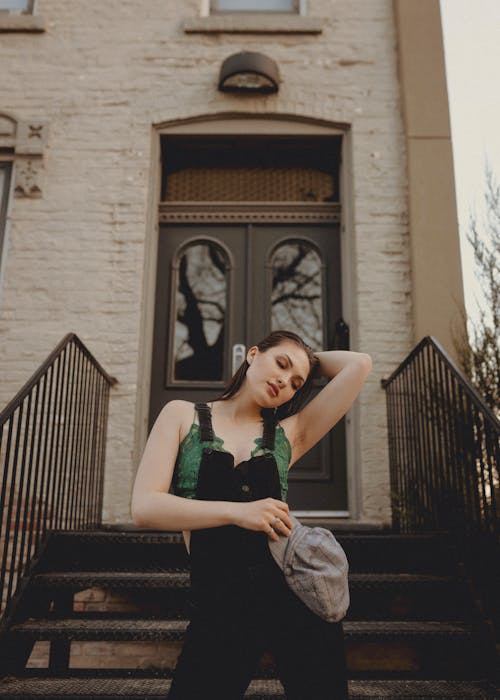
(221, 288)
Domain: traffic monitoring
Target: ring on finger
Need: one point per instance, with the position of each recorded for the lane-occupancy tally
(276, 521)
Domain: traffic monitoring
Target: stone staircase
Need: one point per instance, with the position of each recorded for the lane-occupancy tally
(414, 628)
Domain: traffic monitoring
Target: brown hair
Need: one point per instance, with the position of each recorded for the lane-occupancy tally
(300, 397)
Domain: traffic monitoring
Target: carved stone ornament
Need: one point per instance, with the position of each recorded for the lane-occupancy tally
(31, 138)
(25, 141)
(28, 177)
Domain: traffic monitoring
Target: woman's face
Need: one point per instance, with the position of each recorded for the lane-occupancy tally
(275, 375)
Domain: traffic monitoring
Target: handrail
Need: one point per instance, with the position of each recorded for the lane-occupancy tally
(468, 387)
(444, 447)
(70, 337)
(52, 451)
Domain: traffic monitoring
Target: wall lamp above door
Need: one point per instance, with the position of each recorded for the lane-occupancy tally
(249, 72)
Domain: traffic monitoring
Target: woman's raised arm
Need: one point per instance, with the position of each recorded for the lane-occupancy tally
(347, 371)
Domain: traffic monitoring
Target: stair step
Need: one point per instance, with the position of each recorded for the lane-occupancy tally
(104, 629)
(373, 595)
(81, 628)
(166, 536)
(113, 579)
(366, 552)
(410, 628)
(110, 688)
(180, 579)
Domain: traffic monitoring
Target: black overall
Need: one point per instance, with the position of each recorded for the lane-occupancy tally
(242, 605)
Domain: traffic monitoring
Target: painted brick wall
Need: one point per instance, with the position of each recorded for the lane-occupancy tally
(101, 75)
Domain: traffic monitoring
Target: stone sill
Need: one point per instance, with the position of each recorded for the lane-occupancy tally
(21, 23)
(254, 24)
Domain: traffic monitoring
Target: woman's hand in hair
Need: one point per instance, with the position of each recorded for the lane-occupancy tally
(348, 372)
(261, 515)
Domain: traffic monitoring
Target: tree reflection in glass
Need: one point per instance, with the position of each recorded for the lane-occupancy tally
(297, 284)
(201, 301)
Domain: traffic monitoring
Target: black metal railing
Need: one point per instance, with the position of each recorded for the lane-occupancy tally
(444, 447)
(52, 448)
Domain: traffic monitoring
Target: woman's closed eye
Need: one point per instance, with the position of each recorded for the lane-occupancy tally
(281, 364)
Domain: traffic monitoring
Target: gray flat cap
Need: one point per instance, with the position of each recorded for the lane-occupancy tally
(315, 568)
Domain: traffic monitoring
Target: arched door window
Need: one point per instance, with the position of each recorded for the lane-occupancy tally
(297, 297)
(200, 294)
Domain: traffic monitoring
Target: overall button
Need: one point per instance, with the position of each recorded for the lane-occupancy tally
(245, 488)
(207, 450)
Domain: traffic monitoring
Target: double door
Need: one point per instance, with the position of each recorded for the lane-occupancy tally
(220, 289)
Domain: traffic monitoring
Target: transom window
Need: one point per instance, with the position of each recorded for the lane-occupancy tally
(249, 6)
(18, 7)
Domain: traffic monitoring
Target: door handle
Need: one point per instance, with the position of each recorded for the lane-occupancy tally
(341, 336)
(238, 356)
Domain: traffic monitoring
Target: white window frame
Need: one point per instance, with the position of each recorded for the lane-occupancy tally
(18, 7)
(300, 8)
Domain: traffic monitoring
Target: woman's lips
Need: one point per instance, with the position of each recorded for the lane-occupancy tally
(273, 389)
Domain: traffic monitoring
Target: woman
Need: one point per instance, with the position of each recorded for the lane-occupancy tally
(228, 462)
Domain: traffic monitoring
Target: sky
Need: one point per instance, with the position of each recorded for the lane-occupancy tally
(471, 31)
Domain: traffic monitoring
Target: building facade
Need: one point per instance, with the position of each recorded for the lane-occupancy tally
(171, 223)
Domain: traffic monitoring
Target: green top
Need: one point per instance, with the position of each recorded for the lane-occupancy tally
(190, 452)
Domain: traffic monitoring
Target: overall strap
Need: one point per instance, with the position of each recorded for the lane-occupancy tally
(207, 433)
(205, 418)
(269, 430)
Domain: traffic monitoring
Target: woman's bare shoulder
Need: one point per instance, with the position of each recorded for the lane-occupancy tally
(178, 413)
(177, 410)
(178, 407)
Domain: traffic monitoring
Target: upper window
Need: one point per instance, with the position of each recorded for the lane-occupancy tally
(5, 170)
(18, 7)
(248, 6)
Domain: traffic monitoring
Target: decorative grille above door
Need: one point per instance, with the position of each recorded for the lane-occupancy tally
(250, 185)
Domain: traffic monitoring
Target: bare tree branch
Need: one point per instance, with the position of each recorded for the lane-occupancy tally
(196, 333)
(478, 349)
